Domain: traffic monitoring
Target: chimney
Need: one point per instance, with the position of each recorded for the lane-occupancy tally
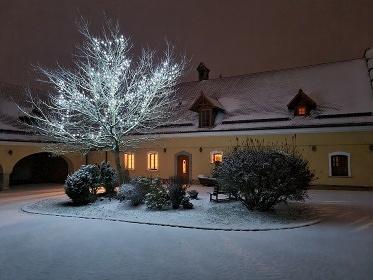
(203, 72)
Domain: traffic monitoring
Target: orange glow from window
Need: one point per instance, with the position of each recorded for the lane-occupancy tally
(217, 157)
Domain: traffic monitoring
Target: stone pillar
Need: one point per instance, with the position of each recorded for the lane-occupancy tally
(4, 182)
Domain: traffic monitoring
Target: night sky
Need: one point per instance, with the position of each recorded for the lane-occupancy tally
(232, 37)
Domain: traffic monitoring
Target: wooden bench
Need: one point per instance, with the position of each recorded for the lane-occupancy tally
(221, 191)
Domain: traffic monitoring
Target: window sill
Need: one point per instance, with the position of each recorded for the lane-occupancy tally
(339, 176)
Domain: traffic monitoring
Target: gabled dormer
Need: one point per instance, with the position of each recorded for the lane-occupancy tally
(207, 109)
(302, 104)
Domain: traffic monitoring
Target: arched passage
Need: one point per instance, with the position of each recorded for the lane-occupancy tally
(39, 168)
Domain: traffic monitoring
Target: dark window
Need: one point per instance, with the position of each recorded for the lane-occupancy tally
(339, 165)
(205, 118)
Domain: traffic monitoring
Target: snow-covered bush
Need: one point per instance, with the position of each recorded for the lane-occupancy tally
(176, 190)
(264, 175)
(108, 178)
(158, 197)
(193, 194)
(133, 192)
(129, 192)
(186, 203)
(82, 185)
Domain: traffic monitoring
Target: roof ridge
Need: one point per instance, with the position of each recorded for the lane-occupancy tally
(277, 70)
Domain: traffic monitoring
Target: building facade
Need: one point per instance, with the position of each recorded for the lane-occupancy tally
(327, 110)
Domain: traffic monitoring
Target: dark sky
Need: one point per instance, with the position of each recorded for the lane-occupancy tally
(231, 37)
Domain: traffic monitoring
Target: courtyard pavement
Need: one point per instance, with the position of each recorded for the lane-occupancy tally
(48, 247)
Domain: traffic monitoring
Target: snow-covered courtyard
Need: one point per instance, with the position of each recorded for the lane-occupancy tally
(61, 247)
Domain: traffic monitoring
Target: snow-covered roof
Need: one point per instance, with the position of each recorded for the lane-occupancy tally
(341, 90)
(10, 96)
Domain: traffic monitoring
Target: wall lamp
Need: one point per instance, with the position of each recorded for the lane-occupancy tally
(200, 149)
(164, 150)
(371, 147)
(314, 148)
(10, 152)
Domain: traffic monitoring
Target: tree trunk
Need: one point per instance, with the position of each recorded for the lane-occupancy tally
(117, 164)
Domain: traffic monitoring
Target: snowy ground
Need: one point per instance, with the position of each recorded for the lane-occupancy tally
(230, 215)
(54, 247)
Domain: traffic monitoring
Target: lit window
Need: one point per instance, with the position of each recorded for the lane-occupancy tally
(216, 156)
(205, 118)
(129, 161)
(153, 161)
(339, 164)
(301, 111)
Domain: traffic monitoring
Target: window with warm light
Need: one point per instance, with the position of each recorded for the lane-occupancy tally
(301, 111)
(339, 164)
(129, 161)
(216, 156)
(153, 161)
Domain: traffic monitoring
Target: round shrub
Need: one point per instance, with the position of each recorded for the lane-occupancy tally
(262, 176)
(157, 198)
(82, 185)
(186, 203)
(133, 192)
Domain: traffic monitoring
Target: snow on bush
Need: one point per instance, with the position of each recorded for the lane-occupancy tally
(264, 175)
(108, 178)
(158, 197)
(82, 185)
(136, 190)
(176, 191)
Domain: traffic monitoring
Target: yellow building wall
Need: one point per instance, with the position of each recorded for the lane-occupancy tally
(11, 153)
(315, 147)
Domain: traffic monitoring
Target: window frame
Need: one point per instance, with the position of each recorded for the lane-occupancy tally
(128, 156)
(212, 155)
(331, 155)
(202, 122)
(301, 107)
(153, 166)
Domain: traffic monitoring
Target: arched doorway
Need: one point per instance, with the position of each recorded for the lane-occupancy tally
(183, 166)
(39, 168)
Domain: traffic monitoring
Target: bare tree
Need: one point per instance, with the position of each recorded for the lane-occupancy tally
(108, 102)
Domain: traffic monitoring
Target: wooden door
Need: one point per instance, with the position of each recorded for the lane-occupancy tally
(183, 167)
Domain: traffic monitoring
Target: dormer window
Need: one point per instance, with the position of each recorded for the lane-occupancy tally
(205, 118)
(207, 109)
(301, 111)
(302, 104)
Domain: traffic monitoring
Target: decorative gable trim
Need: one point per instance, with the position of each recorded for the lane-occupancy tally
(207, 108)
(205, 102)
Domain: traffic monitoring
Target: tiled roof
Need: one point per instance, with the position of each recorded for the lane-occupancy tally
(10, 96)
(259, 101)
(341, 90)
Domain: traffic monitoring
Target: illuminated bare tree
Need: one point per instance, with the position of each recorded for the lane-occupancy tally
(108, 102)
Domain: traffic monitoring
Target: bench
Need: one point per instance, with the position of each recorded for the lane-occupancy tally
(221, 191)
